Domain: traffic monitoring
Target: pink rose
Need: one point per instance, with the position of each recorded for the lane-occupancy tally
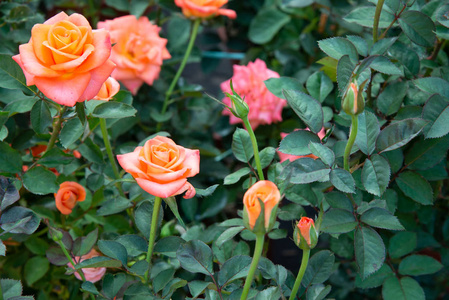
(248, 82)
(290, 157)
(161, 167)
(91, 274)
(205, 9)
(138, 50)
(66, 59)
(108, 90)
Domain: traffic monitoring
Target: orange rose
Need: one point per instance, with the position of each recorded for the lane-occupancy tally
(68, 195)
(108, 90)
(66, 59)
(205, 8)
(268, 193)
(138, 50)
(161, 167)
(304, 225)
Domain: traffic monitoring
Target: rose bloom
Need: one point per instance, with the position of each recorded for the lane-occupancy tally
(68, 195)
(283, 157)
(138, 50)
(161, 167)
(91, 274)
(205, 8)
(66, 59)
(248, 82)
(268, 193)
(108, 90)
(304, 225)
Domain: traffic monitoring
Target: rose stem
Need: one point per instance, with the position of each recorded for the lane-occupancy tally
(154, 219)
(196, 25)
(252, 269)
(351, 141)
(255, 147)
(64, 250)
(379, 5)
(56, 129)
(104, 132)
(302, 270)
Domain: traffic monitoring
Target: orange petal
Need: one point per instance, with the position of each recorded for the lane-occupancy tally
(70, 66)
(29, 77)
(32, 64)
(39, 34)
(78, 20)
(98, 77)
(102, 45)
(55, 19)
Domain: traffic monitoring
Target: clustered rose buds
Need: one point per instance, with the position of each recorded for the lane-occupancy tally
(305, 235)
(268, 193)
(161, 167)
(248, 82)
(138, 50)
(66, 59)
(205, 9)
(68, 195)
(92, 274)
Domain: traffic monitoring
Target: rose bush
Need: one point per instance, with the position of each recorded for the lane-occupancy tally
(66, 59)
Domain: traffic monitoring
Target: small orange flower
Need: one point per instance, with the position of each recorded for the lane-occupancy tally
(304, 225)
(268, 193)
(205, 8)
(69, 194)
(108, 90)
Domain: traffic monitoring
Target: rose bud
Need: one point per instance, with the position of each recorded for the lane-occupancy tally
(353, 102)
(68, 195)
(305, 235)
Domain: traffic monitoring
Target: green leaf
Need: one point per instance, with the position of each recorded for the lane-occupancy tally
(376, 175)
(168, 245)
(360, 44)
(418, 27)
(97, 262)
(381, 218)
(241, 145)
(137, 8)
(342, 180)
(433, 85)
(197, 287)
(40, 181)
(439, 127)
(322, 152)
(399, 133)
(318, 292)
(71, 132)
(384, 65)
(10, 160)
(297, 142)
(11, 288)
(162, 278)
(319, 86)
(374, 280)
(290, 212)
(337, 220)
(19, 219)
(113, 110)
(114, 250)
(83, 245)
(8, 192)
(307, 108)
(178, 31)
(228, 234)
(416, 187)
(91, 151)
(276, 85)
(266, 24)
(390, 100)
(206, 192)
(272, 292)
(196, 257)
(337, 47)
(171, 202)
(11, 75)
(369, 250)
(114, 205)
(344, 73)
(134, 244)
(304, 170)
(40, 117)
(364, 16)
(405, 289)
(382, 45)
(415, 265)
(266, 157)
(432, 111)
(89, 287)
(339, 200)
(319, 269)
(234, 268)
(35, 269)
(54, 158)
(367, 132)
(425, 154)
(402, 243)
(143, 215)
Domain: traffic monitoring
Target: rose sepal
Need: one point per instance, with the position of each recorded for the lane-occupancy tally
(239, 108)
(259, 226)
(273, 217)
(301, 242)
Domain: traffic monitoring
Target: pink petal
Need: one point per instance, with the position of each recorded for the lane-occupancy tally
(192, 162)
(101, 53)
(29, 77)
(32, 64)
(130, 162)
(189, 189)
(98, 77)
(161, 190)
(57, 18)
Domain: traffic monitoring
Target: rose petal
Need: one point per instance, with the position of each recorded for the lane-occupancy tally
(55, 19)
(64, 91)
(130, 163)
(32, 64)
(189, 189)
(78, 20)
(192, 162)
(227, 13)
(161, 190)
(29, 77)
(70, 65)
(102, 45)
(98, 77)
(39, 34)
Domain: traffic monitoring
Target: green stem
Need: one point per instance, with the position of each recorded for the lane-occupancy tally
(302, 270)
(196, 26)
(255, 147)
(56, 130)
(252, 269)
(64, 250)
(379, 5)
(104, 132)
(153, 230)
(351, 141)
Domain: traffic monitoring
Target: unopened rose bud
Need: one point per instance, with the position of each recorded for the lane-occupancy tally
(305, 235)
(56, 235)
(239, 108)
(353, 102)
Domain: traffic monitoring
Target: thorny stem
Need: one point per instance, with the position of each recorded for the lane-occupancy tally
(379, 5)
(153, 230)
(56, 130)
(255, 147)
